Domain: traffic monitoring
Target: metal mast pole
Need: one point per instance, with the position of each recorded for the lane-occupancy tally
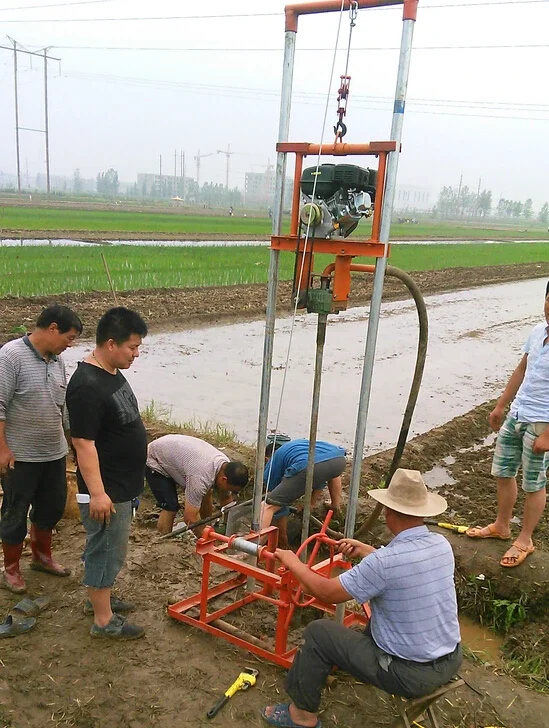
(409, 17)
(283, 132)
(16, 118)
(46, 121)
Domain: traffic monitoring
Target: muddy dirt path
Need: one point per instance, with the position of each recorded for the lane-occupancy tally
(178, 309)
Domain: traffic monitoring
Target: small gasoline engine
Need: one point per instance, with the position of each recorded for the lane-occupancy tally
(344, 193)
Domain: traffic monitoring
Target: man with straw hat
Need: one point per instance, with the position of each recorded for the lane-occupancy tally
(412, 644)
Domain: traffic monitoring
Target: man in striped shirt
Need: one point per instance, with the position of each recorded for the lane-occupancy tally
(412, 644)
(32, 441)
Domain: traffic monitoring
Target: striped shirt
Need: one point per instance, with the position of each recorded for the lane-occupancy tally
(192, 463)
(32, 402)
(410, 587)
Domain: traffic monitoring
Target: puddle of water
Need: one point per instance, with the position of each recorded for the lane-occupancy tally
(488, 440)
(449, 460)
(437, 477)
(483, 642)
(217, 378)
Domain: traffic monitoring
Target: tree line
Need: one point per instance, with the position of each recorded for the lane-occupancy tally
(463, 202)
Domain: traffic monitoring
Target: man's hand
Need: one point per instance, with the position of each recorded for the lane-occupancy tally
(354, 549)
(7, 460)
(541, 443)
(288, 558)
(496, 417)
(101, 507)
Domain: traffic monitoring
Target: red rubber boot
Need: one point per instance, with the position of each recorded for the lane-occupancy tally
(12, 575)
(42, 559)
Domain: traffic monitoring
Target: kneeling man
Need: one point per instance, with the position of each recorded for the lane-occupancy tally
(412, 644)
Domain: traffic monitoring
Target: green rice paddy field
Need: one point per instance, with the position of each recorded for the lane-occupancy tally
(113, 222)
(35, 271)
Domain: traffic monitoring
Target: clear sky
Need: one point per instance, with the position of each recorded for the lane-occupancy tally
(477, 109)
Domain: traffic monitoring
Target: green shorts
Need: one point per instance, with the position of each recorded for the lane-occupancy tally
(513, 448)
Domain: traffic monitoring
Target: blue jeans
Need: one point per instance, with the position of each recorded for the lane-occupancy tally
(106, 545)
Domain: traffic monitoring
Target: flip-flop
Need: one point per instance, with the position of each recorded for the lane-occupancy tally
(11, 627)
(475, 532)
(30, 607)
(281, 718)
(523, 553)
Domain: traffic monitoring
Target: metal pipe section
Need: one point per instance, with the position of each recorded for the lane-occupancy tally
(283, 131)
(329, 6)
(320, 341)
(379, 275)
(247, 547)
(381, 264)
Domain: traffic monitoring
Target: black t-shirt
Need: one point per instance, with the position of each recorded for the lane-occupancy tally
(102, 407)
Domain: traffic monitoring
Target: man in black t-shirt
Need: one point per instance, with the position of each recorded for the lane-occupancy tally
(111, 446)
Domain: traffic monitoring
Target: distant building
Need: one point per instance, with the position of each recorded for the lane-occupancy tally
(166, 185)
(411, 197)
(259, 189)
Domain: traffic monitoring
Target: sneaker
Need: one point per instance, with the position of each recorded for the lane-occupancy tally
(118, 629)
(117, 606)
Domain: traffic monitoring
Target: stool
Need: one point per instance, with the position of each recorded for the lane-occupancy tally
(410, 710)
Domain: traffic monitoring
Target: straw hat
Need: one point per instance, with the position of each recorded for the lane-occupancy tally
(407, 493)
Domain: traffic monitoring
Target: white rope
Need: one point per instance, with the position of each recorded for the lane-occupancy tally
(307, 233)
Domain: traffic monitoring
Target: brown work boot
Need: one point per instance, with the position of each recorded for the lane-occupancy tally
(42, 559)
(12, 575)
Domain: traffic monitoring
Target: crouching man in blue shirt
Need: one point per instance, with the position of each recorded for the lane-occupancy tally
(412, 644)
(285, 476)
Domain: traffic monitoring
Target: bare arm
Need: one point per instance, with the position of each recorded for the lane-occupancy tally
(334, 489)
(329, 591)
(354, 549)
(191, 515)
(101, 505)
(7, 458)
(497, 415)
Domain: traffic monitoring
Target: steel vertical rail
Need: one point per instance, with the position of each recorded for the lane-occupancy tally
(283, 132)
(16, 117)
(320, 340)
(46, 121)
(381, 265)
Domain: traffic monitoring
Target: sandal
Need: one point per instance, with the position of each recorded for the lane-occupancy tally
(30, 607)
(11, 627)
(476, 532)
(281, 718)
(523, 553)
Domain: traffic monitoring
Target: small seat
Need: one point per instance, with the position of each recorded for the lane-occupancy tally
(410, 709)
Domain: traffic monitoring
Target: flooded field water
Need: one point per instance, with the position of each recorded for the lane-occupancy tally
(213, 374)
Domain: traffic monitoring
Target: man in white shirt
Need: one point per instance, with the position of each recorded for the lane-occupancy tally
(523, 439)
(195, 466)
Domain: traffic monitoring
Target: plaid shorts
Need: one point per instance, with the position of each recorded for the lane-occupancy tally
(513, 448)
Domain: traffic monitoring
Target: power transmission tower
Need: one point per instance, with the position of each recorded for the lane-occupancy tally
(43, 54)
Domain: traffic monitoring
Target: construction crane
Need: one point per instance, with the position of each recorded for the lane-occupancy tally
(197, 160)
(227, 152)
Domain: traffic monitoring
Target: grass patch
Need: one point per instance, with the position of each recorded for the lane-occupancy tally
(158, 421)
(40, 271)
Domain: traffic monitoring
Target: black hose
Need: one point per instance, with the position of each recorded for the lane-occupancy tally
(414, 389)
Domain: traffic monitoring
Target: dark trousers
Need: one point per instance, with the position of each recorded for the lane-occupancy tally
(328, 645)
(42, 487)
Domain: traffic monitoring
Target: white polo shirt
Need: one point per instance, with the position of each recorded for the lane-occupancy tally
(532, 401)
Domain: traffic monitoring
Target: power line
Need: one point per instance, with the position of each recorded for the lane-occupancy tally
(55, 5)
(309, 98)
(254, 15)
(301, 50)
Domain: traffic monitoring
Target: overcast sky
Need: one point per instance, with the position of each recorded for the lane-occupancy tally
(482, 111)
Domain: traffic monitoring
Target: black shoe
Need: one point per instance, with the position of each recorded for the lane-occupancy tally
(117, 606)
(118, 629)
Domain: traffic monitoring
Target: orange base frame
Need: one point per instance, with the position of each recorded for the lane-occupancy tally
(275, 586)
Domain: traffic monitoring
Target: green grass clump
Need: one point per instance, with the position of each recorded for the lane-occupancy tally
(40, 271)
